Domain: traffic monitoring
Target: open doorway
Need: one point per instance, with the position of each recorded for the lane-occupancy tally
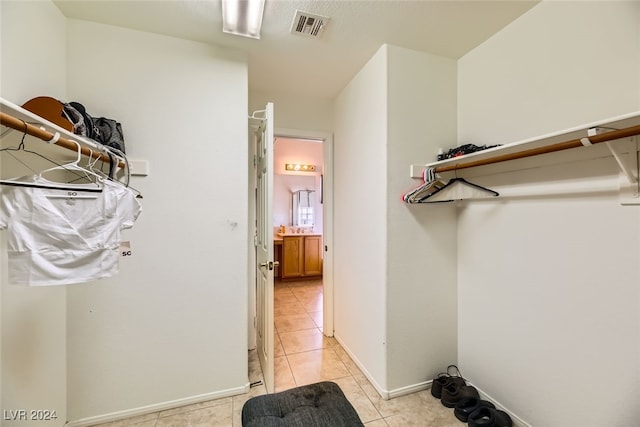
(300, 229)
(298, 147)
(324, 190)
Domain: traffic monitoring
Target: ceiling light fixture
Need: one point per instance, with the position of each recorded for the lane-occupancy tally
(294, 167)
(242, 17)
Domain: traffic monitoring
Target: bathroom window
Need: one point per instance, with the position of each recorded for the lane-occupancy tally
(303, 214)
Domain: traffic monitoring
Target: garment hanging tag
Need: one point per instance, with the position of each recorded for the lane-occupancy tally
(125, 249)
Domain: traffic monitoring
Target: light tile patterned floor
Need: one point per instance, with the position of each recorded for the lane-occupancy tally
(304, 355)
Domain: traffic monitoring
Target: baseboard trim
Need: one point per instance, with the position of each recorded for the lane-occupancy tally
(390, 394)
(410, 389)
(517, 421)
(384, 394)
(143, 410)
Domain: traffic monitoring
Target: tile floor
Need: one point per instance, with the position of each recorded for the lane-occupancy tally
(303, 356)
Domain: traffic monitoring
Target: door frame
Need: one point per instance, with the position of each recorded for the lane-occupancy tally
(327, 231)
(327, 216)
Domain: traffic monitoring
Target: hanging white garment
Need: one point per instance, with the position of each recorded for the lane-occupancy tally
(58, 239)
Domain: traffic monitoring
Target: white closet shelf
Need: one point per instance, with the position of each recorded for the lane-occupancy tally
(15, 117)
(627, 125)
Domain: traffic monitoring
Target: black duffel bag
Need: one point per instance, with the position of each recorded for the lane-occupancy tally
(101, 129)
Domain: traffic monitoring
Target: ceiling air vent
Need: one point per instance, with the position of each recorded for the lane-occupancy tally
(308, 24)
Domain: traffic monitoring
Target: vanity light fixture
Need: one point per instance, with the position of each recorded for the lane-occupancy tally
(242, 17)
(294, 167)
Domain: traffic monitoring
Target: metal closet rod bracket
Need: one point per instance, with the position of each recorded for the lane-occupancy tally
(625, 153)
(256, 115)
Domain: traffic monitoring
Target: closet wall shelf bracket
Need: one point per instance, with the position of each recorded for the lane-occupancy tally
(626, 153)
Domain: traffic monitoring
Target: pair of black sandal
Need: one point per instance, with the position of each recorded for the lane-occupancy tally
(452, 390)
(481, 413)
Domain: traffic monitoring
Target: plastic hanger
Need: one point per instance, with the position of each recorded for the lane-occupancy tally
(458, 189)
(88, 173)
(431, 183)
(72, 167)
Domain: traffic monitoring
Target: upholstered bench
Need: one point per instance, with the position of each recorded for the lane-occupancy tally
(315, 405)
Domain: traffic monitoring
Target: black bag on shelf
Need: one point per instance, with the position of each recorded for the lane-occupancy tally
(462, 150)
(109, 133)
(103, 130)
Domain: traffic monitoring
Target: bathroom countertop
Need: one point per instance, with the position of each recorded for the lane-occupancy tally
(281, 235)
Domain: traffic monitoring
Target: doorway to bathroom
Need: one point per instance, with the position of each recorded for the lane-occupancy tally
(309, 221)
(302, 206)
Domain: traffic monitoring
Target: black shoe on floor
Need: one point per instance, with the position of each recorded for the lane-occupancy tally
(452, 376)
(452, 394)
(442, 381)
(468, 405)
(489, 417)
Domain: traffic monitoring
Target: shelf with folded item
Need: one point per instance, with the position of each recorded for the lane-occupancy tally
(22, 120)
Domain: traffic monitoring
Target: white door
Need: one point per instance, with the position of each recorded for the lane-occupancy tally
(264, 247)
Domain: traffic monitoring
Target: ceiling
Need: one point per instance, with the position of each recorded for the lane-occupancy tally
(296, 65)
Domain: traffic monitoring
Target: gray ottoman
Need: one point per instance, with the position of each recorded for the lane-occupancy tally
(315, 405)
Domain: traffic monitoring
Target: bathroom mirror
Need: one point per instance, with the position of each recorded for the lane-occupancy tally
(302, 212)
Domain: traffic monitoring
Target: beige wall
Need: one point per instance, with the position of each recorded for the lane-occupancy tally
(420, 253)
(33, 366)
(360, 176)
(548, 285)
(149, 338)
(395, 264)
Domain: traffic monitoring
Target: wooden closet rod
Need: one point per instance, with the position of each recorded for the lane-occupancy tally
(17, 124)
(574, 143)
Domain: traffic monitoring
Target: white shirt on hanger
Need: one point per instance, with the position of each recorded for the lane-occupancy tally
(55, 239)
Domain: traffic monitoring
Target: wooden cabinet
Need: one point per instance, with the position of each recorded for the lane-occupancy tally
(301, 256)
(292, 256)
(312, 255)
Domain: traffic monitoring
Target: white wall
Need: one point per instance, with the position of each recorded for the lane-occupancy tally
(549, 304)
(553, 79)
(360, 199)
(395, 275)
(151, 335)
(171, 328)
(33, 367)
(295, 112)
(421, 245)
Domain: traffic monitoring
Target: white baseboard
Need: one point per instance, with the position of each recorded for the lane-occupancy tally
(390, 394)
(382, 392)
(517, 421)
(410, 389)
(143, 410)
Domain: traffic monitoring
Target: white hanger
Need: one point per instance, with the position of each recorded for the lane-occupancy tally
(90, 175)
(95, 179)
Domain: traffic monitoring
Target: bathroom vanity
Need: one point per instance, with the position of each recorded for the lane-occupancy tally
(299, 254)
